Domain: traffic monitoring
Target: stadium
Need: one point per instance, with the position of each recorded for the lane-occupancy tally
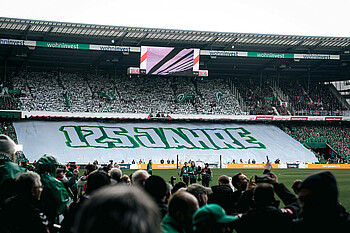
(102, 94)
(86, 92)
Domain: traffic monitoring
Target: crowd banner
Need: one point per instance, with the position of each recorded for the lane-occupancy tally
(85, 142)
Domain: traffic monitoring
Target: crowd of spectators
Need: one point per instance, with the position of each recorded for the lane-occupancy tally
(314, 99)
(259, 98)
(8, 102)
(78, 92)
(40, 91)
(215, 97)
(337, 136)
(53, 198)
(75, 92)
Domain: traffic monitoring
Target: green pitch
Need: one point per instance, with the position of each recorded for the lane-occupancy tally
(286, 176)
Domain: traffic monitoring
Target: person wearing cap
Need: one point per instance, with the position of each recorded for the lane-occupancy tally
(212, 218)
(318, 196)
(182, 206)
(9, 170)
(200, 192)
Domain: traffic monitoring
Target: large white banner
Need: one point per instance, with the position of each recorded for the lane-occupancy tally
(85, 142)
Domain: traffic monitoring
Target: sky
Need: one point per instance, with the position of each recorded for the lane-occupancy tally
(282, 17)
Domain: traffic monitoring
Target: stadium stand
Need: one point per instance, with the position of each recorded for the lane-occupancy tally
(41, 91)
(73, 92)
(77, 92)
(8, 103)
(208, 103)
(315, 99)
(336, 136)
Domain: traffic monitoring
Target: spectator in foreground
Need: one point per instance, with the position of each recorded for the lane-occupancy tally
(178, 186)
(118, 209)
(9, 170)
(126, 180)
(96, 180)
(200, 192)
(296, 186)
(157, 188)
(55, 196)
(69, 180)
(266, 208)
(24, 212)
(212, 218)
(82, 181)
(139, 178)
(222, 194)
(116, 175)
(240, 182)
(182, 206)
(320, 208)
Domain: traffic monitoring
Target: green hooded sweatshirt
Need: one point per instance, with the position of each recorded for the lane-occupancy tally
(54, 196)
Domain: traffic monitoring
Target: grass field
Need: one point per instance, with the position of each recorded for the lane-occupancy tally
(286, 176)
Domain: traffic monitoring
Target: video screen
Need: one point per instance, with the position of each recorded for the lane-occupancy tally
(169, 61)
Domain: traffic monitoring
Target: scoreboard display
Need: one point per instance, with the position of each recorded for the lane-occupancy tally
(169, 61)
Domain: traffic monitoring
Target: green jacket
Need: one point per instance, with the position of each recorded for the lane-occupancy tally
(149, 167)
(54, 195)
(170, 225)
(195, 171)
(184, 172)
(9, 169)
(8, 173)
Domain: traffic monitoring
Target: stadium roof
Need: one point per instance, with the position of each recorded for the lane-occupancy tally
(240, 67)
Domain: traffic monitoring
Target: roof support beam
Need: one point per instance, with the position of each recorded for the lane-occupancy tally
(142, 39)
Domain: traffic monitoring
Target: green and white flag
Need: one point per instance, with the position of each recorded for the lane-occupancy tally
(109, 95)
(67, 100)
(181, 97)
(218, 96)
